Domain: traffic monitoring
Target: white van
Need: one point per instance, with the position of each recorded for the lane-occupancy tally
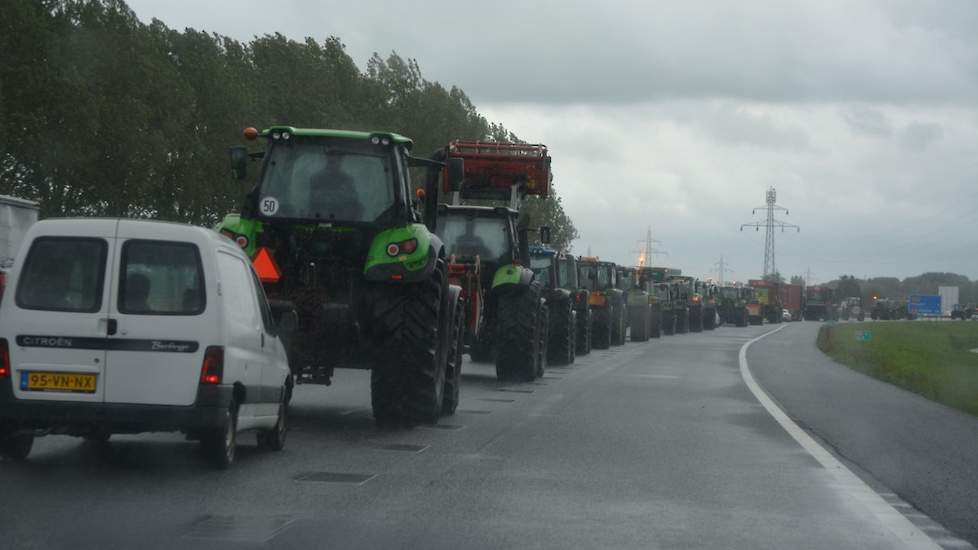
(128, 326)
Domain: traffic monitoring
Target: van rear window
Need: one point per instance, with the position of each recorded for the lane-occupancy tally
(63, 274)
(161, 278)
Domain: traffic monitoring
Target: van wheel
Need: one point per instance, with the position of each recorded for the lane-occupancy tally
(274, 439)
(220, 444)
(16, 447)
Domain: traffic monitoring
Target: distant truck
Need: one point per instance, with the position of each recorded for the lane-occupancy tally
(768, 295)
(949, 298)
(792, 299)
(819, 304)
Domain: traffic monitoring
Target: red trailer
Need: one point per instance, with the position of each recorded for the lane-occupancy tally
(791, 299)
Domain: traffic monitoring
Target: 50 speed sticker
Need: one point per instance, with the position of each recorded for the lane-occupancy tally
(268, 206)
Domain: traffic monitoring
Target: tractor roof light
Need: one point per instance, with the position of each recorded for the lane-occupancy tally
(251, 133)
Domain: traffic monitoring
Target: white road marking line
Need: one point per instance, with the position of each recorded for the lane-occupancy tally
(662, 376)
(902, 528)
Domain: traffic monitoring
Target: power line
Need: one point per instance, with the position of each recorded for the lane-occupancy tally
(721, 267)
(648, 249)
(769, 225)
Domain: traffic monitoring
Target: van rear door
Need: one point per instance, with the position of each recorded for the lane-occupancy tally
(57, 312)
(159, 300)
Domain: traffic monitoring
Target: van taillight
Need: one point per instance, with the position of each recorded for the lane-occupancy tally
(4, 358)
(212, 369)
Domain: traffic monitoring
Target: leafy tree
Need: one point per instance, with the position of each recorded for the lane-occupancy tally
(797, 280)
(774, 277)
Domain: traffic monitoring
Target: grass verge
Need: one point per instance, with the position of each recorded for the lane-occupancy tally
(931, 359)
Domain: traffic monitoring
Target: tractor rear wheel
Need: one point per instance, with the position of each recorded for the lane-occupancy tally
(544, 335)
(601, 328)
(639, 321)
(407, 382)
(618, 328)
(709, 319)
(453, 366)
(562, 330)
(696, 319)
(655, 324)
(517, 333)
(582, 340)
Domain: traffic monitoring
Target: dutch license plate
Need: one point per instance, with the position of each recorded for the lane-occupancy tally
(57, 381)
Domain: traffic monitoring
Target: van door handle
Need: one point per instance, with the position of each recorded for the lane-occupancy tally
(112, 326)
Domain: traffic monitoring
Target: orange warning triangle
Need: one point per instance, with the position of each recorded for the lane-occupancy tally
(265, 266)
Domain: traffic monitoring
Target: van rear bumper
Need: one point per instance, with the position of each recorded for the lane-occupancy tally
(74, 418)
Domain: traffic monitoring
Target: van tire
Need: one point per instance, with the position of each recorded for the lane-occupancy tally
(17, 446)
(274, 439)
(517, 333)
(407, 381)
(453, 368)
(221, 444)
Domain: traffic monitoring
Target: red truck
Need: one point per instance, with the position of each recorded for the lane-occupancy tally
(792, 299)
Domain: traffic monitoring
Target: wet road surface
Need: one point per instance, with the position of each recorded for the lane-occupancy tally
(652, 445)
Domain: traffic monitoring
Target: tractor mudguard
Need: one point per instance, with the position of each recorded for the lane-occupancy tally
(411, 267)
(235, 227)
(557, 295)
(637, 298)
(581, 298)
(511, 274)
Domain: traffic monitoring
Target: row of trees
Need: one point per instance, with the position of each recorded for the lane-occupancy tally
(101, 114)
(893, 287)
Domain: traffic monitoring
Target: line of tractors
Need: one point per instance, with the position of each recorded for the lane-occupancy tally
(375, 258)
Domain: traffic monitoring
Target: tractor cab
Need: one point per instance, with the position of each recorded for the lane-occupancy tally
(480, 234)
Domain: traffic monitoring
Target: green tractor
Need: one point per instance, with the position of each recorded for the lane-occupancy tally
(668, 295)
(609, 312)
(647, 283)
(559, 287)
(733, 304)
(348, 257)
(511, 327)
(570, 272)
(489, 256)
(708, 294)
(640, 298)
(689, 311)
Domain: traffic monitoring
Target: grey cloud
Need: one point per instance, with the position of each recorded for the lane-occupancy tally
(622, 51)
(917, 136)
(867, 121)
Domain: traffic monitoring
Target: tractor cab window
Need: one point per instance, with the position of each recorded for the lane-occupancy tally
(606, 277)
(730, 293)
(468, 236)
(626, 281)
(662, 292)
(329, 180)
(567, 273)
(542, 267)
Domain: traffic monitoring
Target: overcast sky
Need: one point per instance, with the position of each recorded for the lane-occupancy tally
(680, 115)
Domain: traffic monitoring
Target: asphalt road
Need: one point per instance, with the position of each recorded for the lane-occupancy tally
(924, 452)
(657, 445)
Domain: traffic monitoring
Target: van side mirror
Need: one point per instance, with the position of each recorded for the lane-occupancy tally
(456, 173)
(545, 234)
(239, 161)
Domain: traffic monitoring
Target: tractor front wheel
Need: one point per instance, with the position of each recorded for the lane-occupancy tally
(601, 328)
(583, 338)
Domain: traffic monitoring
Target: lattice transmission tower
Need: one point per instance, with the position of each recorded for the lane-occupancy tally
(770, 224)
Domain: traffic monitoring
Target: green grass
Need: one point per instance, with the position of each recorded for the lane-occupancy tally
(931, 359)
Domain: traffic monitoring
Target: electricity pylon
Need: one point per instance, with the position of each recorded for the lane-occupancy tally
(769, 225)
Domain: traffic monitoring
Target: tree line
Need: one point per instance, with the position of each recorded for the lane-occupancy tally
(103, 115)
